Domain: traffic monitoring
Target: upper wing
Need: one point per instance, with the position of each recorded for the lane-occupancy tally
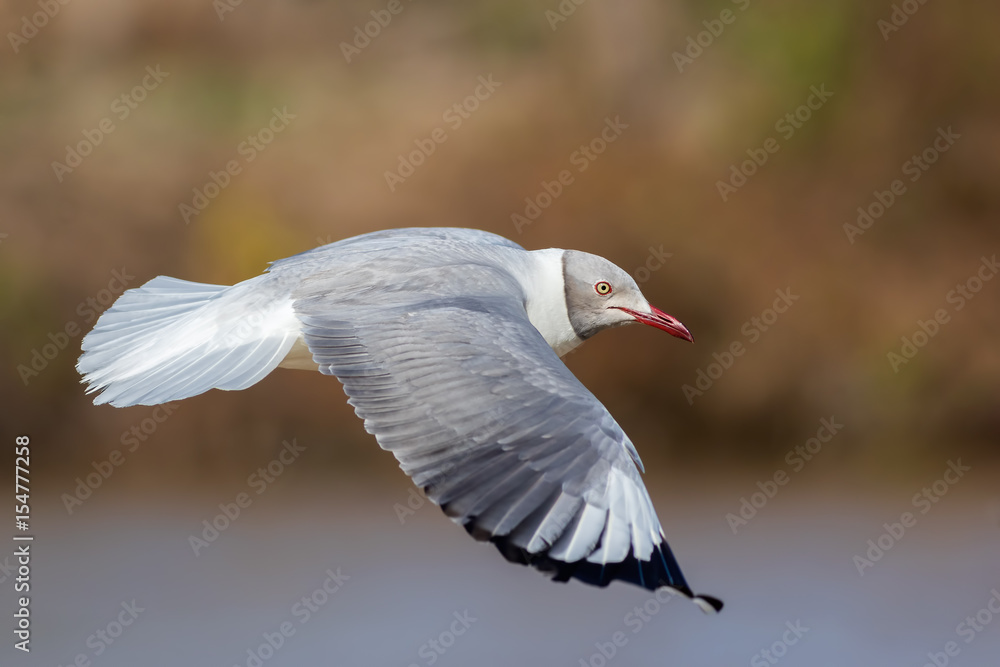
(171, 339)
(484, 416)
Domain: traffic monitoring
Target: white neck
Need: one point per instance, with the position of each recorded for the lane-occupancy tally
(546, 304)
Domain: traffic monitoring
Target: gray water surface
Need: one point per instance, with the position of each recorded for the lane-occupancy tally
(788, 577)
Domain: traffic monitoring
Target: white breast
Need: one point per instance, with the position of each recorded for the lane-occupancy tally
(546, 304)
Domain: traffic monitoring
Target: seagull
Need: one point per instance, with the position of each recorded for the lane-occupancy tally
(448, 343)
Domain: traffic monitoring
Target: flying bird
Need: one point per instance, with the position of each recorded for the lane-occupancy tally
(447, 342)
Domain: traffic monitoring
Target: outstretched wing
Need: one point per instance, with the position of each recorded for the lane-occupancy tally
(483, 415)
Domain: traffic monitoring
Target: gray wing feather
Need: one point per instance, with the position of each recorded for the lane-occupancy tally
(448, 374)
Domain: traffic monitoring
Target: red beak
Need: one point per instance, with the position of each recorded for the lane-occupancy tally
(661, 320)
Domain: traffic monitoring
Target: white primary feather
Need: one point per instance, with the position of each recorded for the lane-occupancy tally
(617, 534)
(573, 546)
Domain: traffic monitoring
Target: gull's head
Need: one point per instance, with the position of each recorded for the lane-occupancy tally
(600, 295)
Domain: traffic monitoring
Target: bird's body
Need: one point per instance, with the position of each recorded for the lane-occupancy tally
(446, 341)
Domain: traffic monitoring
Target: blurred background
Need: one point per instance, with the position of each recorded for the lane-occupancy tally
(843, 154)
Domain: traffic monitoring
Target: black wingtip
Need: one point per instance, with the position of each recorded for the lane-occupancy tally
(652, 575)
(707, 603)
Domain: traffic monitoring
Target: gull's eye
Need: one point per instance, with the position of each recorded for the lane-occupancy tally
(603, 288)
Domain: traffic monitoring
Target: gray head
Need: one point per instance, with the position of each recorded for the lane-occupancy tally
(599, 295)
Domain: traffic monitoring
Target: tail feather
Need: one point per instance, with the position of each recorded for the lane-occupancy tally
(171, 339)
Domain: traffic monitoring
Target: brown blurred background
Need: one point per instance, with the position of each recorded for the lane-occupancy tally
(654, 190)
(322, 179)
